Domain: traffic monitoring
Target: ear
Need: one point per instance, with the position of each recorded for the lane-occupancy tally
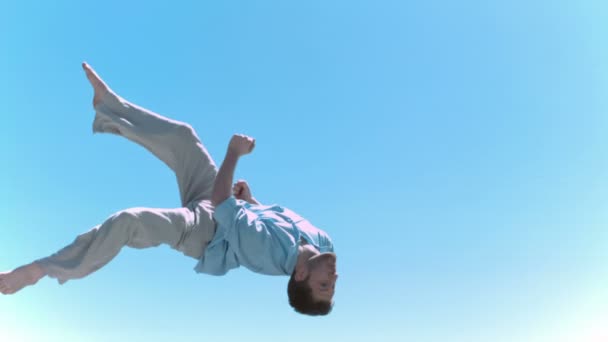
(301, 273)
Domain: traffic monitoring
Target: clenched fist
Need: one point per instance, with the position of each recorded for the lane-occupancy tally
(241, 144)
(241, 190)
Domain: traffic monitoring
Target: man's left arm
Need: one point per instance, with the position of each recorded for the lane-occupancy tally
(242, 191)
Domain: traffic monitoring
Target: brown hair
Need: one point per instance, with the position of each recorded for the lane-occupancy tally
(300, 298)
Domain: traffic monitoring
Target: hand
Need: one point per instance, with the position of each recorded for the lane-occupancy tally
(241, 144)
(241, 190)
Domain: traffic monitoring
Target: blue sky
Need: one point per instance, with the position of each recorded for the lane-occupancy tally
(454, 151)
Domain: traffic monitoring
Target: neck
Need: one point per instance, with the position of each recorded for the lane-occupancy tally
(305, 252)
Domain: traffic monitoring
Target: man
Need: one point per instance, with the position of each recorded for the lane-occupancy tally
(220, 224)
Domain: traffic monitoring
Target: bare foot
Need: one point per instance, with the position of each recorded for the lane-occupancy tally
(99, 86)
(15, 280)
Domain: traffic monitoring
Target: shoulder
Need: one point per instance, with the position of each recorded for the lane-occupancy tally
(227, 211)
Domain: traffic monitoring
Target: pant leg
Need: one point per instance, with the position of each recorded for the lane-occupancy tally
(188, 231)
(175, 143)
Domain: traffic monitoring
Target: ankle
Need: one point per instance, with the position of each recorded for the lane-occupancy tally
(37, 272)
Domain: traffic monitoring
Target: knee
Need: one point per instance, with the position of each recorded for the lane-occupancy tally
(125, 223)
(185, 130)
(124, 217)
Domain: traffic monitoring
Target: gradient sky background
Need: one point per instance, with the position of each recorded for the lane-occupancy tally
(453, 150)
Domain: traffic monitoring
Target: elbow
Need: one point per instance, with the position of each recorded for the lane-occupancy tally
(218, 199)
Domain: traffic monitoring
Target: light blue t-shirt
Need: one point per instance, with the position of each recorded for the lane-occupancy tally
(263, 238)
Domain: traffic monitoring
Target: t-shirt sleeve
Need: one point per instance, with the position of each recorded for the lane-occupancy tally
(219, 257)
(226, 212)
(330, 245)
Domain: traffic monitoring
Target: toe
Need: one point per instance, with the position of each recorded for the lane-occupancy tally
(92, 76)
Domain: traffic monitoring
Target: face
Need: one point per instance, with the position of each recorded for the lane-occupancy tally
(322, 276)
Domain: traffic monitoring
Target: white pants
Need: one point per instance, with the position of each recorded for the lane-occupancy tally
(188, 229)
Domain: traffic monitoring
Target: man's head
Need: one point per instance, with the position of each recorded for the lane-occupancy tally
(312, 284)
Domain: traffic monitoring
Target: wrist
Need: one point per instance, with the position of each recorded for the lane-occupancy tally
(231, 153)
